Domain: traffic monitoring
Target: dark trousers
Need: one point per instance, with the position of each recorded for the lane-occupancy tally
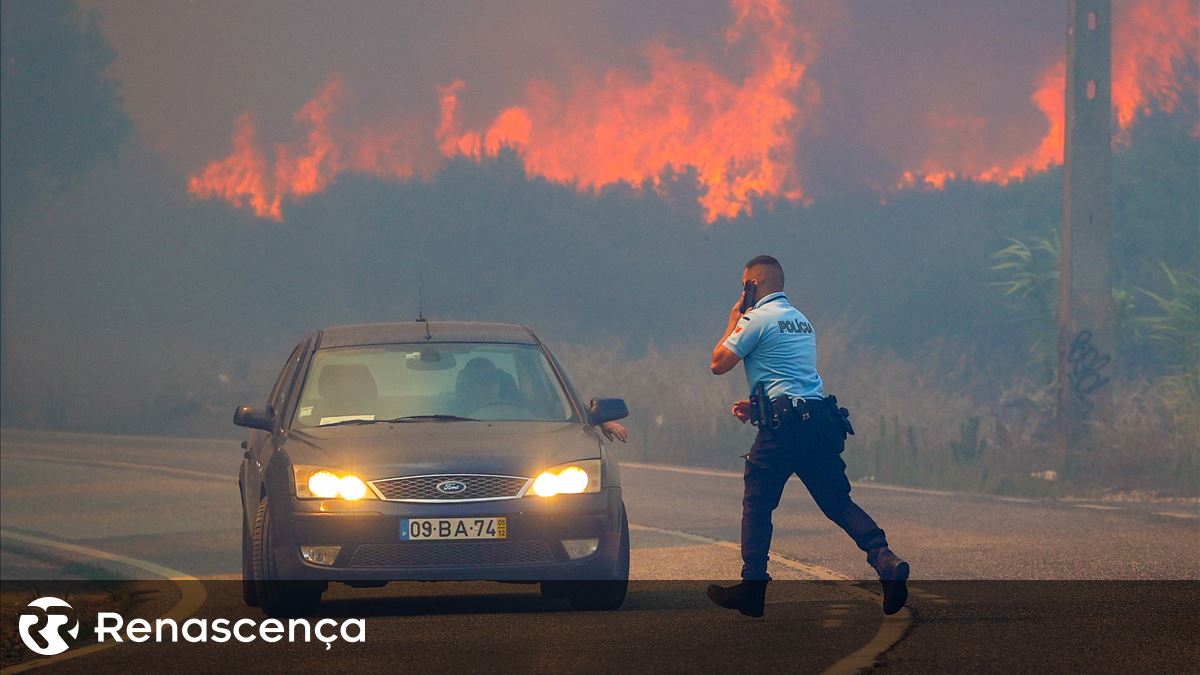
(808, 448)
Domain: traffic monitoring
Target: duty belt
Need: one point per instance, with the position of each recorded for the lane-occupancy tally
(804, 407)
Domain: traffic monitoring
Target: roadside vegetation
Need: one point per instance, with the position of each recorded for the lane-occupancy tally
(919, 420)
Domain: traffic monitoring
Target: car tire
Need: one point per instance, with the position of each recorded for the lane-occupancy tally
(249, 587)
(276, 597)
(604, 595)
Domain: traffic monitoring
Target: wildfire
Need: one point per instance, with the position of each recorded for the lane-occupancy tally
(1153, 43)
(245, 179)
(738, 136)
(681, 115)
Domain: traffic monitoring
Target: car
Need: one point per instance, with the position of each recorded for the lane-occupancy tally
(432, 451)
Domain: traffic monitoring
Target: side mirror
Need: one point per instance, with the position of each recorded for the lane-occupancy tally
(607, 409)
(253, 418)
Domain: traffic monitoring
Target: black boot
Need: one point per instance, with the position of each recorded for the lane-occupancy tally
(747, 597)
(893, 574)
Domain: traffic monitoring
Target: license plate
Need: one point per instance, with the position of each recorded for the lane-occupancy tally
(422, 529)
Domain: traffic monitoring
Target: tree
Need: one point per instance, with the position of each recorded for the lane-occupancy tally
(60, 113)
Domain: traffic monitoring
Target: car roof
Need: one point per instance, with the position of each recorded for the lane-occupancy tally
(421, 331)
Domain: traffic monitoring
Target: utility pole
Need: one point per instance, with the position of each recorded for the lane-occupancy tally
(1086, 342)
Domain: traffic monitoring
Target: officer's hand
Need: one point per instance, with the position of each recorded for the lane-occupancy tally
(741, 410)
(736, 312)
(613, 430)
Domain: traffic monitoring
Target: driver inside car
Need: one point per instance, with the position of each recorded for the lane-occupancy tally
(481, 384)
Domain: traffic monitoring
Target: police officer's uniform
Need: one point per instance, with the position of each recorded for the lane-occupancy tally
(778, 348)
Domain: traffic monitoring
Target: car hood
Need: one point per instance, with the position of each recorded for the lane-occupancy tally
(386, 450)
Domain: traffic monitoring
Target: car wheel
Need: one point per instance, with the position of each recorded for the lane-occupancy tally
(249, 587)
(604, 595)
(278, 597)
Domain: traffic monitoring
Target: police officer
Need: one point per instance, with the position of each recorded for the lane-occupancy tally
(799, 431)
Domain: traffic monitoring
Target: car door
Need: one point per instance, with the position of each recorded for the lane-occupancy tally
(260, 443)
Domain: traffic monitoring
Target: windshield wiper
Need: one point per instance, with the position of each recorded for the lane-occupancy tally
(431, 418)
(406, 418)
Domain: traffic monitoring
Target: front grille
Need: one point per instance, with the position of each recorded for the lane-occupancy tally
(452, 554)
(424, 488)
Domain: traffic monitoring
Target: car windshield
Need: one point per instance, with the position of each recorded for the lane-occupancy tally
(430, 382)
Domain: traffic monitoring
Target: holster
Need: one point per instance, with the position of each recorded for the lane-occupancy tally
(840, 415)
(762, 413)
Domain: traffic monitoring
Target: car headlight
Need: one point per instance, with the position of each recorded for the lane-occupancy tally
(318, 482)
(572, 478)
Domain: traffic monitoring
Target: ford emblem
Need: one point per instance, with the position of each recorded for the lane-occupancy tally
(451, 487)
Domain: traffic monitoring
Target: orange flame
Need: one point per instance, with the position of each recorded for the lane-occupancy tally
(240, 178)
(1153, 42)
(1153, 39)
(739, 137)
(245, 180)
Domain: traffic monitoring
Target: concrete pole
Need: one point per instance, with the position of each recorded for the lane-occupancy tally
(1086, 343)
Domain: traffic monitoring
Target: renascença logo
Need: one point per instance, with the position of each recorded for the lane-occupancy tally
(51, 633)
(113, 627)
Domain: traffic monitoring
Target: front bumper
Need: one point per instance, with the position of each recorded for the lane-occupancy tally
(368, 533)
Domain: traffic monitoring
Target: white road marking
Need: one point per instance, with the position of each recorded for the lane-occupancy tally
(718, 473)
(157, 468)
(191, 593)
(815, 571)
(1176, 514)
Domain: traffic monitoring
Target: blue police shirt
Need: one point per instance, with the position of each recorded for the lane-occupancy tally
(778, 348)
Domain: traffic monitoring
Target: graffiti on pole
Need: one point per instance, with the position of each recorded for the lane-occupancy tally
(1086, 365)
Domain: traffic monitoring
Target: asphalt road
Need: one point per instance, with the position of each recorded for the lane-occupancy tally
(1000, 584)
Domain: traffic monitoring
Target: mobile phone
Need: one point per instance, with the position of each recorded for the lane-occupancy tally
(748, 292)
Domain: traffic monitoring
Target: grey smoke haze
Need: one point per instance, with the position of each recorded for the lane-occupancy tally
(122, 291)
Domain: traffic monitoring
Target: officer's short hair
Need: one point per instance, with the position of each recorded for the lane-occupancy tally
(767, 261)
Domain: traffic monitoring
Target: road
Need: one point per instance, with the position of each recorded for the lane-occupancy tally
(1000, 583)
